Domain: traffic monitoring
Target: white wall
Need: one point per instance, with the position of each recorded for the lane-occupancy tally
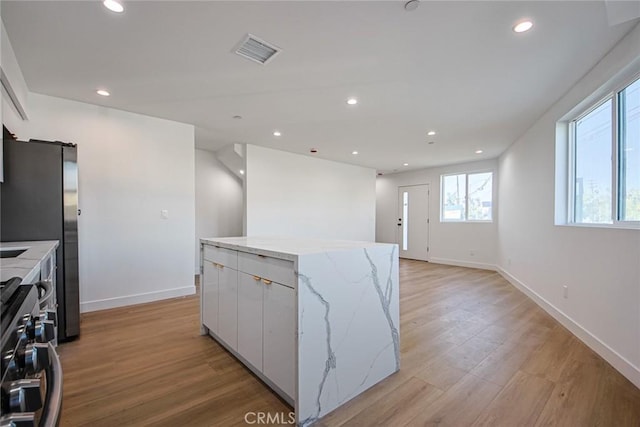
(599, 265)
(218, 200)
(289, 194)
(449, 242)
(130, 168)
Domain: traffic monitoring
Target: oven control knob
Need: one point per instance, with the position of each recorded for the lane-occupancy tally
(22, 333)
(36, 357)
(45, 330)
(25, 419)
(8, 362)
(24, 396)
(49, 315)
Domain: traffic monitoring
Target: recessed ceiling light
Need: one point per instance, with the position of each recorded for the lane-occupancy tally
(352, 101)
(405, 164)
(113, 5)
(241, 172)
(478, 151)
(276, 133)
(354, 153)
(523, 26)
(103, 92)
(431, 132)
(313, 151)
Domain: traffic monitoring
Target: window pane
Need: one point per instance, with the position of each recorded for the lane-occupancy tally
(593, 166)
(453, 190)
(629, 200)
(480, 186)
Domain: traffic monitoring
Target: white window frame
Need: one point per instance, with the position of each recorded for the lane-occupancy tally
(613, 96)
(466, 197)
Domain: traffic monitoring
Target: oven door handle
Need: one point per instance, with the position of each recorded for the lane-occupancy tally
(48, 292)
(53, 401)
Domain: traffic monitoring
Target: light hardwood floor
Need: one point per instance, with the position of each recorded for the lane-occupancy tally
(475, 351)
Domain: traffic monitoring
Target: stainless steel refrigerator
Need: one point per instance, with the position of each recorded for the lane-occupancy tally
(39, 201)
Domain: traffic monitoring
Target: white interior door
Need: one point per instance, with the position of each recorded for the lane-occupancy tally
(413, 221)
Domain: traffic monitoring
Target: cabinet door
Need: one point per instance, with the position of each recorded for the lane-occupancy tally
(210, 296)
(228, 306)
(250, 318)
(279, 331)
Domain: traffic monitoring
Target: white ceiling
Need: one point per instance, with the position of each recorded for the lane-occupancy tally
(453, 66)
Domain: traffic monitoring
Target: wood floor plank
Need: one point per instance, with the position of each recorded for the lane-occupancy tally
(469, 354)
(617, 401)
(440, 374)
(519, 403)
(550, 360)
(461, 405)
(574, 397)
(502, 363)
(397, 408)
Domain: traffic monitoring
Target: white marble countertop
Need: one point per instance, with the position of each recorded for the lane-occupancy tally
(25, 264)
(286, 247)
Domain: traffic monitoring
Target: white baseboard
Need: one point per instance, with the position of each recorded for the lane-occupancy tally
(626, 368)
(104, 304)
(459, 263)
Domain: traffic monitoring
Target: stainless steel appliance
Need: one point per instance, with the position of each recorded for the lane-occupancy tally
(39, 201)
(31, 376)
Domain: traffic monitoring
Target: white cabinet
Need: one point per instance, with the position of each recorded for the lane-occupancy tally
(252, 313)
(228, 305)
(275, 269)
(250, 295)
(209, 289)
(220, 293)
(279, 330)
(266, 328)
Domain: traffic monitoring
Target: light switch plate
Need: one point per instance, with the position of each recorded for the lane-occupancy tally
(164, 214)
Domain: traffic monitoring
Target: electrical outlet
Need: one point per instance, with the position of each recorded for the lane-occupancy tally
(164, 214)
(565, 291)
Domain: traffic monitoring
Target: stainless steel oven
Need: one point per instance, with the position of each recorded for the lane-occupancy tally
(31, 387)
(47, 283)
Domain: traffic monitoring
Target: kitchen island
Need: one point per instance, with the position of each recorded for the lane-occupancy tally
(316, 320)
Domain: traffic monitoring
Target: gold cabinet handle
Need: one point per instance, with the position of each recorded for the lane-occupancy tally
(266, 281)
(256, 278)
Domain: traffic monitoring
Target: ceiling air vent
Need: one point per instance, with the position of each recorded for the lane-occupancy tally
(256, 49)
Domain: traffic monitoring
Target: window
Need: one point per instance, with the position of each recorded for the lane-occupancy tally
(605, 160)
(629, 169)
(592, 174)
(467, 197)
